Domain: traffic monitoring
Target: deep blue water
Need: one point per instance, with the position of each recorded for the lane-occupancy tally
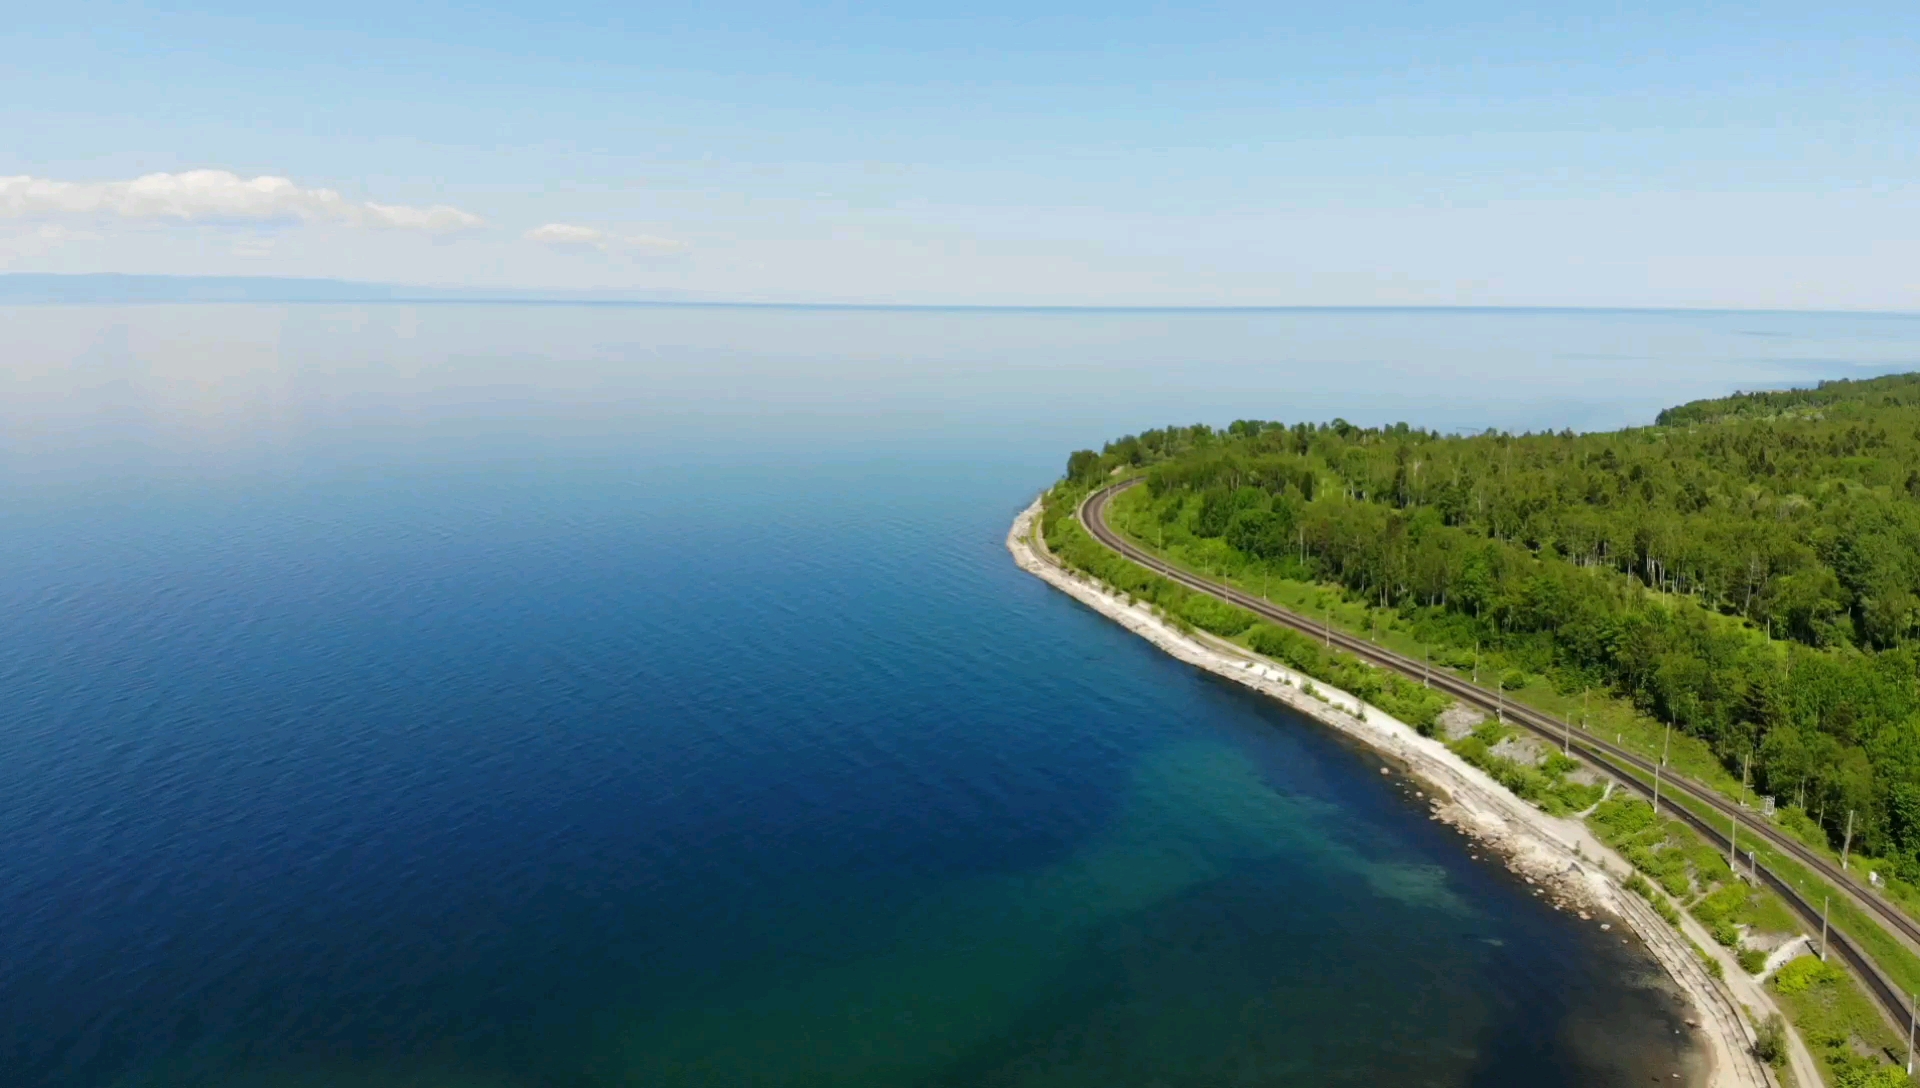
(556, 696)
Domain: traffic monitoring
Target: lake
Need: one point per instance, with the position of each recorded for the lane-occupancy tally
(513, 696)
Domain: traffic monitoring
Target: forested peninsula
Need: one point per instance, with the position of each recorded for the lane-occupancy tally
(1747, 569)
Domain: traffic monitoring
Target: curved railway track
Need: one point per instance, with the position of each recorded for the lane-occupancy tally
(1610, 757)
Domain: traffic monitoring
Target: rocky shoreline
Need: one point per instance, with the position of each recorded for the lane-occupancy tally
(1564, 861)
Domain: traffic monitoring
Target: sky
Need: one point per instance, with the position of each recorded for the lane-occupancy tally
(1446, 152)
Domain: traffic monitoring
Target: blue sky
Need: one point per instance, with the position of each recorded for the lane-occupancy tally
(1756, 155)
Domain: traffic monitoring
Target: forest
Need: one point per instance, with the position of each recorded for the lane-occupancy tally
(1747, 568)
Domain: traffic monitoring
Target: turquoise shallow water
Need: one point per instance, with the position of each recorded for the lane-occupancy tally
(563, 696)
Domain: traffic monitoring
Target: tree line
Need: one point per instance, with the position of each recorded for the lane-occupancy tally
(1748, 568)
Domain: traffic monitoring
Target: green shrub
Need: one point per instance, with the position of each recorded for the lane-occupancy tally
(1621, 817)
(1765, 913)
(1674, 877)
(1217, 616)
(1575, 797)
(1290, 648)
(1708, 862)
(1668, 913)
(1719, 910)
(1803, 973)
(1545, 785)
(1404, 699)
(1851, 1071)
(1801, 825)
(1652, 845)
(1752, 960)
(1638, 885)
(1770, 1041)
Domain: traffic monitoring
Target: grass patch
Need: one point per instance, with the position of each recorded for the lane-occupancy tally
(1900, 964)
(1418, 706)
(1854, 1046)
(1661, 905)
(1770, 1042)
(1656, 846)
(1545, 785)
(1717, 908)
(1671, 854)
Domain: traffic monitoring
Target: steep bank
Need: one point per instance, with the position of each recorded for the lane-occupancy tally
(1579, 871)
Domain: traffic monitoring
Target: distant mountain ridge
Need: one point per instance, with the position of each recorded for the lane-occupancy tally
(41, 288)
(38, 287)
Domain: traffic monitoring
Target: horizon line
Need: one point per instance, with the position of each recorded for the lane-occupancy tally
(396, 294)
(951, 307)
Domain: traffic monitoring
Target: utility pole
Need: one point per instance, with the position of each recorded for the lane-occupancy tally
(1566, 737)
(1913, 1013)
(1476, 661)
(1426, 669)
(1657, 766)
(1825, 902)
(1733, 861)
(1326, 619)
(1499, 702)
(1848, 845)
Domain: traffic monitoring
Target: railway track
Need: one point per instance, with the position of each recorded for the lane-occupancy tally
(1608, 756)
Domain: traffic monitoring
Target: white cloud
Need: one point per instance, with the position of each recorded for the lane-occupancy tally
(566, 234)
(54, 232)
(43, 241)
(214, 196)
(575, 237)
